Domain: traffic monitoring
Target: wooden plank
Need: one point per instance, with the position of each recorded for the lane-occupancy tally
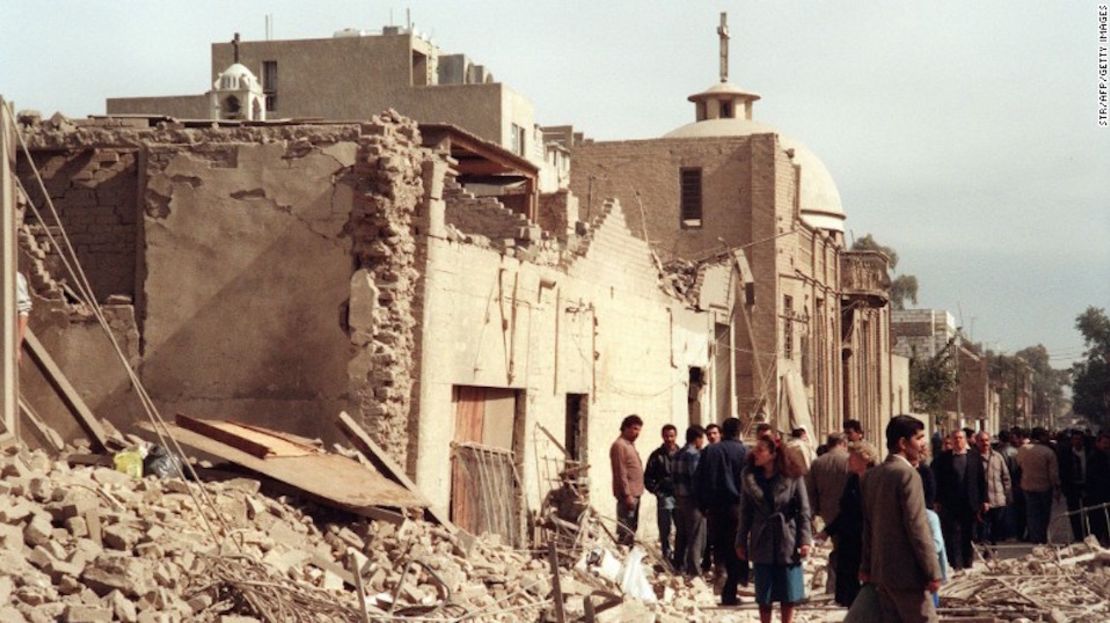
(69, 396)
(556, 585)
(254, 440)
(380, 460)
(45, 431)
(337, 480)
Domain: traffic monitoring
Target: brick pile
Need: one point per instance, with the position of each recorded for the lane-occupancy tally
(85, 544)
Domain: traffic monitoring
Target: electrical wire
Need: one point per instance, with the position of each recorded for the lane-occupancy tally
(85, 292)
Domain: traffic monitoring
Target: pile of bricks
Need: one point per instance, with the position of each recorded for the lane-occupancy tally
(86, 543)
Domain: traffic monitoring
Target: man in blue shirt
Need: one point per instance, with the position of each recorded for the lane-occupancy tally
(717, 488)
(689, 542)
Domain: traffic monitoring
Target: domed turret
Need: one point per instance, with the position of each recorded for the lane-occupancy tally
(237, 93)
(726, 110)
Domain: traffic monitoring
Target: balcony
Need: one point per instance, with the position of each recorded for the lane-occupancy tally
(865, 277)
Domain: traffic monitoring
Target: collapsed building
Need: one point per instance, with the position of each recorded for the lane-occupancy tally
(482, 319)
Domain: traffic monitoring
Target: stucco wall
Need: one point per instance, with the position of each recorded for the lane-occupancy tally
(488, 312)
(246, 267)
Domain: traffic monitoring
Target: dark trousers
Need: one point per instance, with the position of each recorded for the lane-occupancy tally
(957, 525)
(1015, 515)
(628, 520)
(689, 541)
(1079, 529)
(723, 523)
(993, 527)
(1038, 508)
(664, 518)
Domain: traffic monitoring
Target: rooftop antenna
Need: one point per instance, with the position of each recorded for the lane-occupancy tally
(408, 19)
(722, 33)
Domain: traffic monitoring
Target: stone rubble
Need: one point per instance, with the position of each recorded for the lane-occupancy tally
(85, 543)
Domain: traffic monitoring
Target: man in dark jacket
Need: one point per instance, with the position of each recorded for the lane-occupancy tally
(961, 498)
(1074, 460)
(659, 480)
(717, 487)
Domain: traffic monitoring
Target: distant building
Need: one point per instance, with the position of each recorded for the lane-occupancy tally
(809, 340)
(355, 75)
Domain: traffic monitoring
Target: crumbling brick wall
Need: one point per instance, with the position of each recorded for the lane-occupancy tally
(387, 228)
(94, 190)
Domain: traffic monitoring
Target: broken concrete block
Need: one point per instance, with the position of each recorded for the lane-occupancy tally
(77, 527)
(13, 510)
(87, 614)
(122, 607)
(120, 537)
(11, 537)
(38, 531)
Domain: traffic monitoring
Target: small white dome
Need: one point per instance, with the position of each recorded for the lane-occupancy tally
(235, 78)
(819, 200)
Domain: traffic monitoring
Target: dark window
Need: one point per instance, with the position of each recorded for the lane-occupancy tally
(270, 83)
(726, 110)
(691, 196)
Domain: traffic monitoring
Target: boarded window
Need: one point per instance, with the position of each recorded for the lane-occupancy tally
(691, 196)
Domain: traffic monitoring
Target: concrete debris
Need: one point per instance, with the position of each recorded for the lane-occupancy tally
(157, 562)
(1050, 584)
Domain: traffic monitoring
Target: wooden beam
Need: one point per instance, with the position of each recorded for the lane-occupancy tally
(380, 460)
(250, 446)
(66, 392)
(336, 480)
(556, 584)
(45, 431)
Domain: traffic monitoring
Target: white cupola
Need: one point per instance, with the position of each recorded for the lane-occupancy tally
(237, 93)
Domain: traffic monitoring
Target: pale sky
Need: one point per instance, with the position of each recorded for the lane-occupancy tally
(963, 134)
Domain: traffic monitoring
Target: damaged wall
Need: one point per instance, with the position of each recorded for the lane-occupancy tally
(242, 264)
(594, 323)
(94, 190)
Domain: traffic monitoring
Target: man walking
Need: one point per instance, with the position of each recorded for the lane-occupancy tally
(628, 479)
(1040, 482)
(717, 487)
(689, 541)
(999, 491)
(825, 484)
(659, 480)
(960, 498)
(898, 554)
(1074, 462)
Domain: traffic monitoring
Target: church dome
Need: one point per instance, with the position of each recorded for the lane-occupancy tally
(235, 78)
(819, 199)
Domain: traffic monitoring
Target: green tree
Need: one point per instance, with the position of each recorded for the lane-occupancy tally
(932, 380)
(902, 287)
(1091, 378)
(1048, 382)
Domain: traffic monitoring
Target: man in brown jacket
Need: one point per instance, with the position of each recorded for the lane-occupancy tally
(628, 479)
(824, 485)
(898, 553)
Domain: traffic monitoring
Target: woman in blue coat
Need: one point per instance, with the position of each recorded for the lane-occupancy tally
(774, 529)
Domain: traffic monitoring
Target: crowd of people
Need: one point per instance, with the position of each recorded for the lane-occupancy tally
(898, 524)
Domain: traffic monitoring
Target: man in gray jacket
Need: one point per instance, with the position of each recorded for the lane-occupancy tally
(824, 485)
(898, 554)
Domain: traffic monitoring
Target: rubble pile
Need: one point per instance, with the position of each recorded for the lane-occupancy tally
(88, 543)
(1050, 584)
(680, 279)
